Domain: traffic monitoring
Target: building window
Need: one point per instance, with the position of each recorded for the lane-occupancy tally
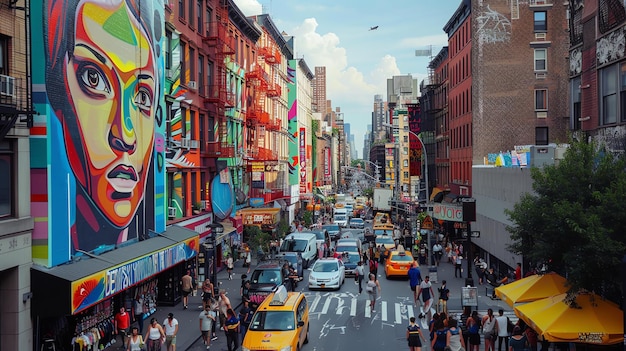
(622, 93)
(199, 13)
(209, 77)
(190, 14)
(192, 64)
(4, 55)
(576, 110)
(7, 178)
(406, 163)
(201, 87)
(541, 99)
(541, 136)
(541, 63)
(608, 94)
(183, 66)
(208, 20)
(168, 49)
(541, 21)
(181, 9)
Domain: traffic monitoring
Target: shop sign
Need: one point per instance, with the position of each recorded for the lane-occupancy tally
(257, 201)
(428, 223)
(258, 219)
(303, 160)
(449, 212)
(101, 285)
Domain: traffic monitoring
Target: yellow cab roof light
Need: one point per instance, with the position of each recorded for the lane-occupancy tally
(280, 296)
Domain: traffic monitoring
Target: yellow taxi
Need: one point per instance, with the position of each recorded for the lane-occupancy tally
(398, 263)
(281, 322)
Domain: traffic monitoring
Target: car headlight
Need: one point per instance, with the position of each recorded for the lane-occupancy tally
(335, 278)
(312, 279)
(286, 348)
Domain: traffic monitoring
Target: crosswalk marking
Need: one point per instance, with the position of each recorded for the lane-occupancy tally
(326, 306)
(398, 314)
(368, 313)
(353, 308)
(409, 310)
(316, 300)
(383, 310)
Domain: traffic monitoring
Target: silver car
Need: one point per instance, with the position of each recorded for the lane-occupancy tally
(327, 273)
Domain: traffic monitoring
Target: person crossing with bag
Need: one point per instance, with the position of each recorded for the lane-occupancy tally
(489, 332)
(373, 289)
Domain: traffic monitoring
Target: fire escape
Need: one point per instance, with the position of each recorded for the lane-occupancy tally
(221, 44)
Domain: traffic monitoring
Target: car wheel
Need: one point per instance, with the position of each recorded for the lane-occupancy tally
(306, 338)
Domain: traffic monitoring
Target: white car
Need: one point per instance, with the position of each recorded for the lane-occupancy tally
(327, 273)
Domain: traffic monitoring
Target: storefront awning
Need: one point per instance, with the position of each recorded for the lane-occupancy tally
(260, 216)
(73, 287)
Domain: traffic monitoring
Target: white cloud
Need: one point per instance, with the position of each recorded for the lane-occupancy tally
(249, 7)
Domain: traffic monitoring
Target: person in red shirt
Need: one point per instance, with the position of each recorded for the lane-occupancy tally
(518, 271)
(122, 323)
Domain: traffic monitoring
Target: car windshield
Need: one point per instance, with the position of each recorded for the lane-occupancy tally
(273, 320)
(401, 257)
(383, 232)
(325, 266)
(356, 221)
(340, 217)
(293, 260)
(332, 228)
(319, 235)
(384, 240)
(346, 248)
(266, 276)
(293, 245)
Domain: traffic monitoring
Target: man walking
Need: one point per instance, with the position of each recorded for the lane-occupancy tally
(122, 323)
(444, 294)
(231, 328)
(171, 329)
(458, 265)
(415, 278)
(186, 286)
(501, 328)
(207, 318)
(360, 273)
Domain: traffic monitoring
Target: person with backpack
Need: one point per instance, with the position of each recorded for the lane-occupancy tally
(374, 268)
(454, 337)
(373, 289)
(440, 336)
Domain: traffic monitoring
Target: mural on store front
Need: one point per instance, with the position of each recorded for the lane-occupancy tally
(104, 128)
(90, 290)
(292, 126)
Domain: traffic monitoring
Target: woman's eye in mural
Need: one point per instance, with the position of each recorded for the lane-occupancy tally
(143, 100)
(92, 81)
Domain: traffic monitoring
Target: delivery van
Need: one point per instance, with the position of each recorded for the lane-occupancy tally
(303, 243)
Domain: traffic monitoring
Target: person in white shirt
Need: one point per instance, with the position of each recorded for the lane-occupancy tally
(501, 327)
(437, 253)
(171, 329)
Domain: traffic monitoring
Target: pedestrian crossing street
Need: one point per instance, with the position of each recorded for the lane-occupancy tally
(396, 311)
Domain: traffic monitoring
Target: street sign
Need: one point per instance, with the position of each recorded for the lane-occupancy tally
(428, 223)
(475, 234)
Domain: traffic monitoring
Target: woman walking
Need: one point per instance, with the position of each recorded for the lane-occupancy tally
(414, 336)
(454, 337)
(373, 289)
(154, 336)
(135, 341)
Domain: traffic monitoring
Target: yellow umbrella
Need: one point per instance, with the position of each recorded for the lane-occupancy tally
(532, 288)
(593, 321)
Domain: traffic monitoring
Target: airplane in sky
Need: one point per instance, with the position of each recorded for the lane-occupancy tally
(374, 28)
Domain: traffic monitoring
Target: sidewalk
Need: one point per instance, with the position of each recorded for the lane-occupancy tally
(188, 320)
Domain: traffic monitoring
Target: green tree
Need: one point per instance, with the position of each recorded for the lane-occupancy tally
(575, 218)
(257, 238)
(368, 192)
(307, 217)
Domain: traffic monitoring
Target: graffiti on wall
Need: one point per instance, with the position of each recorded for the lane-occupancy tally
(493, 27)
(105, 126)
(292, 122)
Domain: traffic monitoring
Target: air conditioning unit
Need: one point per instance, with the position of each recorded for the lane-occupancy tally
(207, 204)
(192, 85)
(7, 85)
(540, 36)
(171, 212)
(186, 143)
(541, 75)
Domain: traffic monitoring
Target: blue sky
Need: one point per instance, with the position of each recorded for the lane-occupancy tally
(335, 34)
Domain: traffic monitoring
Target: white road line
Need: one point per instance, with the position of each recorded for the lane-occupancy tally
(326, 306)
(353, 307)
(383, 309)
(398, 314)
(409, 311)
(316, 300)
(368, 312)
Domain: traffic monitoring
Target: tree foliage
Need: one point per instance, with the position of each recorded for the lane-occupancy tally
(574, 221)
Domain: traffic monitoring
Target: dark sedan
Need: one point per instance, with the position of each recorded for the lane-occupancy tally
(333, 230)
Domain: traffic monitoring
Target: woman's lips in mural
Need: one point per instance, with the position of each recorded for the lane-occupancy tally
(123, 179)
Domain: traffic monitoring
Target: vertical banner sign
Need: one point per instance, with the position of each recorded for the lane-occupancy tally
(292, 121)
(327, 164)
(302, 160)
(415, 155)
(258, 175)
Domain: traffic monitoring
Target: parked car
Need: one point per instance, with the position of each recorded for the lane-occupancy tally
(333, 230)
(304, 243)
(327, 273)
(357, 223)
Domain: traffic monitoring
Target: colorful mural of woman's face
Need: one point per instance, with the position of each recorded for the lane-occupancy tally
(110, 75)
